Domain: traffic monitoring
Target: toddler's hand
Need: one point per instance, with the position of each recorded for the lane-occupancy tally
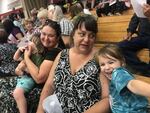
(22, 49)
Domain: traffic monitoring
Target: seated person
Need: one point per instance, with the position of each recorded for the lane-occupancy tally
(14, 32)
(8, 77)
(131, 45)
(26, 83)
(146, 9)
(50, 35)
(127, 95)
(55, 13)
(7, 64)
(75, 76)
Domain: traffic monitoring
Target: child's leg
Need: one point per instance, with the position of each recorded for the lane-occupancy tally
(19, 96)
(25, 84)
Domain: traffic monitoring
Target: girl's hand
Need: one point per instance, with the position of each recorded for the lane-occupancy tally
(22, 49)
(27, 52)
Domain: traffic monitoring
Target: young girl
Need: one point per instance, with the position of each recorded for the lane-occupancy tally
(26, 83)
(126, 93)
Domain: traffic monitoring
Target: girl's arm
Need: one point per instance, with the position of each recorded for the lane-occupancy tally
(17, 55)
(103, 105)
(39, 74)
(48, 88)
(139, 87)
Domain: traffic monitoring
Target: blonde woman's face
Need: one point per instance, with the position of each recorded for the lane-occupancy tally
(50, 14)
(29, 26)
(42, 20)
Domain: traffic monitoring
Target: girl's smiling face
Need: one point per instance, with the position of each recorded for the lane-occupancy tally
(108, 64)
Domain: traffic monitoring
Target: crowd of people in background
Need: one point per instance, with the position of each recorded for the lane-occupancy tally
(63, 61)
(112, 7)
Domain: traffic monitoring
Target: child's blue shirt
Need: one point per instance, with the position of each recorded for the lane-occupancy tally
(121, 99)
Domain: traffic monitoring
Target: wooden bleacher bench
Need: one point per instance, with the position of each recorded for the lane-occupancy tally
(112, 28)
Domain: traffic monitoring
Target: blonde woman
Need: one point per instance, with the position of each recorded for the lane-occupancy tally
(42, 16)
(55, 13)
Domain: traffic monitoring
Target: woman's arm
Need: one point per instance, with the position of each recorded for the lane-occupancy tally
(39, 74)
(139, 87)
(19, 36)
(48, 88)
(103, 105)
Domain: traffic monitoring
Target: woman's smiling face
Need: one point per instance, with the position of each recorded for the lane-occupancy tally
(48, 37)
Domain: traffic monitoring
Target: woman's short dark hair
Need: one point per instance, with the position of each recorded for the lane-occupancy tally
(88, 21)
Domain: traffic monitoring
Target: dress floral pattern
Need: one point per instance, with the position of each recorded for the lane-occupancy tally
(77, 92)
(7, 64)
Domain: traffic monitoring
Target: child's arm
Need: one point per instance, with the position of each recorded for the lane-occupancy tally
(139, 87)
(21, 68)
(17, 55)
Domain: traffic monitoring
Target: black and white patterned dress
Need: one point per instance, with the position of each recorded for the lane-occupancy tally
(7, 64)
(77, 92)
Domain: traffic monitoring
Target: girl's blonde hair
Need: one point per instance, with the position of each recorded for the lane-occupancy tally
(113, 51)
(37, 41)
(27, 21)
